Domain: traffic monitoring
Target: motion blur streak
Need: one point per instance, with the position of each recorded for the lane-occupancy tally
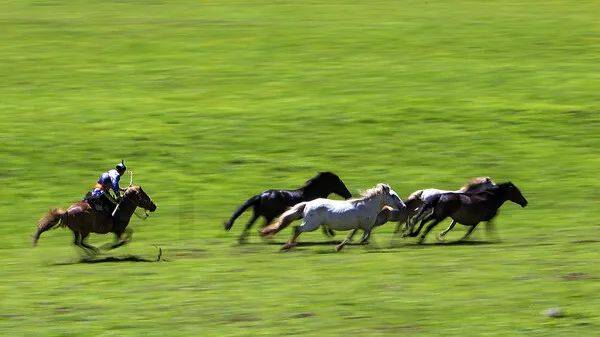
(211, 102)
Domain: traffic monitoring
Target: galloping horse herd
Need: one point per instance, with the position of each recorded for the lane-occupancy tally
(477, 201)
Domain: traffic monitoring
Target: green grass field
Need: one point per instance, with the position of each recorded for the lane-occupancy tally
(210, 102)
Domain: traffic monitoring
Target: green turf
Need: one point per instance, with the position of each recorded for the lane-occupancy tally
(210, 102)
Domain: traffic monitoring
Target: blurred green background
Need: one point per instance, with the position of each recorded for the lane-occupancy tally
(210, 102)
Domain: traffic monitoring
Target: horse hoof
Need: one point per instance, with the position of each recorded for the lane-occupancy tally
(338, 248)
(265, 233)
(288, 246)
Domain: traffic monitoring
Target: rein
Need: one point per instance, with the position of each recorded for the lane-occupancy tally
(135, 210)
(143, 217)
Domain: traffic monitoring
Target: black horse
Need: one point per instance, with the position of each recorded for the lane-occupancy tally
(468, 209)
(272, 203)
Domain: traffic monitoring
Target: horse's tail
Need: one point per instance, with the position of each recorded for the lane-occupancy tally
(54, 217)
(250, 202)
(294, 213)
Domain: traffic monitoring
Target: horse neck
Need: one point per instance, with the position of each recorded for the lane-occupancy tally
(126, 209)
(496, 199)
(377, 200)
(313, 191)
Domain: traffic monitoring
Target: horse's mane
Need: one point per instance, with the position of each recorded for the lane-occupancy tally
(132, 188)
(476, 183)
(318, 176)
(505, 184)
(309, 182)
(371, 192)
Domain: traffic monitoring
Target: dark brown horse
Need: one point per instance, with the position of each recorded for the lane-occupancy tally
(272, 203)
(417, 199)
(82, 219)
(468, 209)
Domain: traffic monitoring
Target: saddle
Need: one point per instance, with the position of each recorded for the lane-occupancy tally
(100, 204)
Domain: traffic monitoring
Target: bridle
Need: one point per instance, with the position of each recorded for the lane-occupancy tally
(143, 216)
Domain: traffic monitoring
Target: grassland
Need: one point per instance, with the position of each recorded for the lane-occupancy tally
(211, 102)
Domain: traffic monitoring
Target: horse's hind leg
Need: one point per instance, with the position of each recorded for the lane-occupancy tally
(243, 237)
(308, 225)
(292, 241)
(328, 231)
(346, 240)
(77, 241)
(91, 249)
(443, 233)
(76, 238)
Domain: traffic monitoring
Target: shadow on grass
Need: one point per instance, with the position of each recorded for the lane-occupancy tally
(413, 244)
(108, 259)
(396, 245)
(114, 259)
(586, 241)
(315, 243)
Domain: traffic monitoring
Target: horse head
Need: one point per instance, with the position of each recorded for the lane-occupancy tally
(139, 198)
(391, 198)
(512, 193)
(331, 183)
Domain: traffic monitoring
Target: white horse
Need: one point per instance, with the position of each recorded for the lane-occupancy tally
(354, 214)
(415, 201)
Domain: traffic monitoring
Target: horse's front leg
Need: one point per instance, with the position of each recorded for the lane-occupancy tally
(412, 233)
(365, 237)
(122, 238)
(430, 227)
(490, 230)
(346, 240)
(399, 227)
(469, 231)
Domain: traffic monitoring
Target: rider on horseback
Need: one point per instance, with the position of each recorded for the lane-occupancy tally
(100, 197)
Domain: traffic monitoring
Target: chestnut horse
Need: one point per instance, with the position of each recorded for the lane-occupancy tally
(82, 219)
